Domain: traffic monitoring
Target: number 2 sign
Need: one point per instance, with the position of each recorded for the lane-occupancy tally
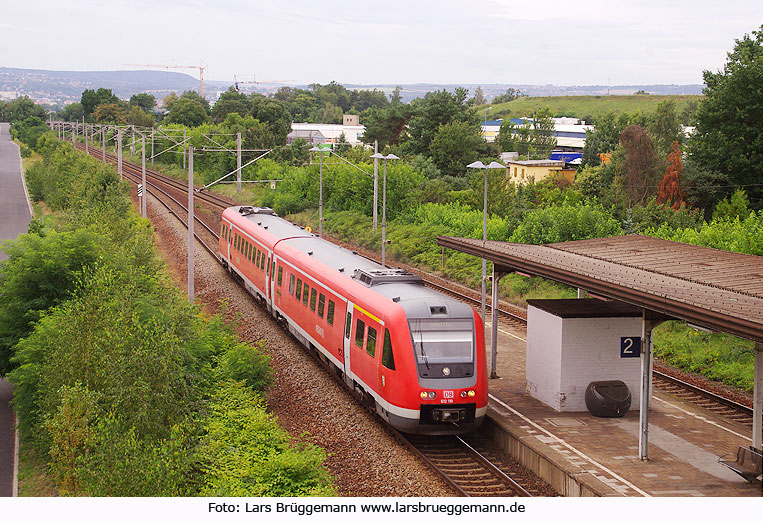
(630, 347)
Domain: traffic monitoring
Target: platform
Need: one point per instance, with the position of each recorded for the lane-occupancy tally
(581, 455)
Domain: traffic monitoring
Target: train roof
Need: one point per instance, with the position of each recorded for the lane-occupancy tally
(397, 285)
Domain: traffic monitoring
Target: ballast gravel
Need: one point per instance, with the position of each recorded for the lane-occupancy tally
(363, 456)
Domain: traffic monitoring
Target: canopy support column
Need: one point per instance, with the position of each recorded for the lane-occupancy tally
(757, 408)
(497, 276)
(650, 320)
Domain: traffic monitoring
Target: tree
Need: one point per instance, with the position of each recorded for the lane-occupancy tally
(330, 113)
(533, 140)
(433, 111)
(22, 108)
(110, 113)
(136, 116)
(274, 114)
(665, 127)
(542, 139)
(92, 98)
(640, 163)
(229, 102)
(455, 145)
(187, 111)
(73, 112)
(396, 96)
(144, 101)
(479, 96)
(728, 139)
(194, 96)
(510, 95)
(385, 124)
(670, 187)
(170, 100)
(605, 135)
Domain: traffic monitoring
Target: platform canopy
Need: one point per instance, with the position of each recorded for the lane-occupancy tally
(715, 289)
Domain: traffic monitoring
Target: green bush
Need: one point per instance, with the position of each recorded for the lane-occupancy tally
(741, 235)
(245, 453)
(248, 364)
(40, 272)
(565, 223)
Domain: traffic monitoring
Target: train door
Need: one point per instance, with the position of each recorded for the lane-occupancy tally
(276, 282)
(346, 342)
(228, 233)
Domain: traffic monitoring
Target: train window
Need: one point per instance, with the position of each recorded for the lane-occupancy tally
(273, 271)
(305, 294)
(321, 305)
(280, 274)
(371, 343)
(361, 329)
(291, 284)
(388, 360)
(299, 289)
(262, 261)
(257, 257)
(330, 313)
(268, 265)
(347, 325)
(313, 297)
(249, 251)
(235, 241)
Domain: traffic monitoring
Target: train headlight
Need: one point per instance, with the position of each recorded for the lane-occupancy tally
(463, 394)
(471, 393)
(423, 395)
(428, 395)
(446, 371)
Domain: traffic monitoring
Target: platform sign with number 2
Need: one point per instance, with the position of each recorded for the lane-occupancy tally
(630, 347)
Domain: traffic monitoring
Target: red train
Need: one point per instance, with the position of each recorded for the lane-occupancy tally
(418, 355)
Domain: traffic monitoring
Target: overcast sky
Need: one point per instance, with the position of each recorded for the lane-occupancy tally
(604, 42)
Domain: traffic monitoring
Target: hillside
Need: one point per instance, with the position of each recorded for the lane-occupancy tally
(584, 107)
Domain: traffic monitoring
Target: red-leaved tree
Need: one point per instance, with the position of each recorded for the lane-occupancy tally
(670, 186)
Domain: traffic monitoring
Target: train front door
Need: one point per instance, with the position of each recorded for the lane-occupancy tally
(346, 343)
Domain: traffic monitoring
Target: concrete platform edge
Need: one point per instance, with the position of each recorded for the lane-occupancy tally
(565, 478)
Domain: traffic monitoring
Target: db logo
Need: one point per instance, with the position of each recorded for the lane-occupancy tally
(447, 394)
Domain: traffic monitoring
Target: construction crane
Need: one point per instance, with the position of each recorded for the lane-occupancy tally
(200, 67)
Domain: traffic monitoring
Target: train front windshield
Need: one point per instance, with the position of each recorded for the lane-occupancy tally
(437, 341)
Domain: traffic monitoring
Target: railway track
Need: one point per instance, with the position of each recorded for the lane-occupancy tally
(470, 469)
(440, 453)
(465, 469)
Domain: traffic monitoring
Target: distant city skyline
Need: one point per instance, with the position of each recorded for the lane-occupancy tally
(445, 42)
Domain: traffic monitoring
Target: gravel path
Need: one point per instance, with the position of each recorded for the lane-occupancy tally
(364, 457)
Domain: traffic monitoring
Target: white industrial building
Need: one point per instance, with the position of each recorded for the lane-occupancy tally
(318, 133)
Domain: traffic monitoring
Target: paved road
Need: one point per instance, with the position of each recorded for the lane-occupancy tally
(14, 219)
(14, 210)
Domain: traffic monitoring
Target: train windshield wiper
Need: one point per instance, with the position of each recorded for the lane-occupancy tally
(423, 354)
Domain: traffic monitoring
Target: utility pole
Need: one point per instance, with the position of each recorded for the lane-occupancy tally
(190, 225)
(74, 130)
(376, 183)
(320, 197)
(238, 163)
(152, 148)
(87, 150)
(103, 144)
(119, 153)
(132, 143)
(184, 131)
(143, 174)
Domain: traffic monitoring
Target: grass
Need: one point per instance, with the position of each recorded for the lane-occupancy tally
(33, 477)
(717, 356)
(585, 107)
